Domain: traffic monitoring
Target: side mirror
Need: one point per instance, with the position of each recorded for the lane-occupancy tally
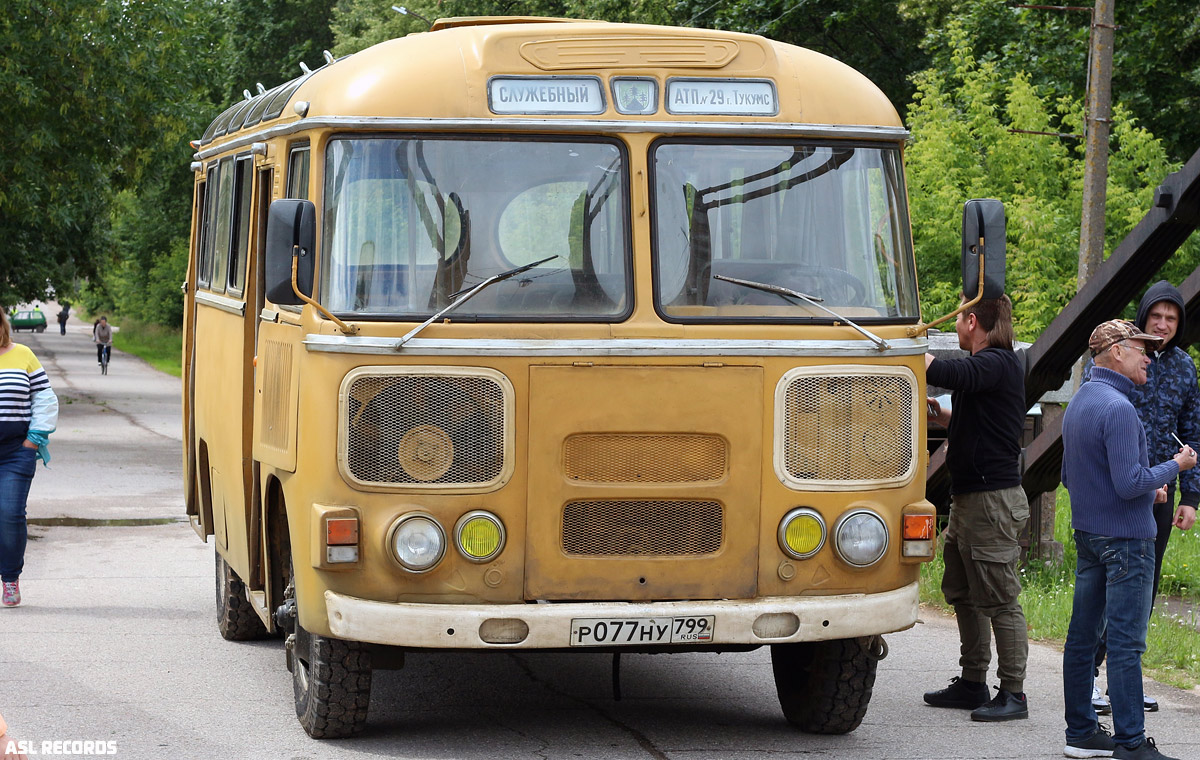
(983, 232)
(291, 232)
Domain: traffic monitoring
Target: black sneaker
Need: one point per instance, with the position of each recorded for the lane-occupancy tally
(1004, 706)
(1099, 744)
(1150, 704)
(961, 693)
(1144, 751)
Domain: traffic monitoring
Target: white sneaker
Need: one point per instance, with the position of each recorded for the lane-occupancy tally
(1100, 702)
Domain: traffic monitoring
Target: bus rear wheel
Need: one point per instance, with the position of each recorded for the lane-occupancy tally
(824, 686)
(331, 680)
(236, 619)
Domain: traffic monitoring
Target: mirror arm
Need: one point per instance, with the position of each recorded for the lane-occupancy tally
(916, 330)
(345, 328)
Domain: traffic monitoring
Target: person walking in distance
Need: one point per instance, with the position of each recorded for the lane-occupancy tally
(988, 510)
(1106, 469)
(1168, 404)
(102, 336)
(63, 315)
(28, 415)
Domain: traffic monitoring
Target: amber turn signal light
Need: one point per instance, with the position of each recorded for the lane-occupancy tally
(918, 527)
(341, 531)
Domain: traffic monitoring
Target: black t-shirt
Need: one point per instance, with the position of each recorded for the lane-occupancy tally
(986, 420)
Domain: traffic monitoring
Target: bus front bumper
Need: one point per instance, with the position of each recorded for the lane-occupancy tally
(773, 620)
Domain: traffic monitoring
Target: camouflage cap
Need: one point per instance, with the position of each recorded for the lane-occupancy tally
(1116, 330)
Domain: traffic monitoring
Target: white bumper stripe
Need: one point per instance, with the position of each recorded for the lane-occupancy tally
(442, 626)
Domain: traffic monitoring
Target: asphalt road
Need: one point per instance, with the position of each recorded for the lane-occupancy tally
(117, 642)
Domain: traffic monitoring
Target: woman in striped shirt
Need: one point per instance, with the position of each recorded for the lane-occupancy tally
(28, 415)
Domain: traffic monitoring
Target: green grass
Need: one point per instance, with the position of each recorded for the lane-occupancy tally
(1172, 645)
(161, 347)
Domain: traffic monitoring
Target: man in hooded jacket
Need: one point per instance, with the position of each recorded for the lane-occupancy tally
(1168, 405)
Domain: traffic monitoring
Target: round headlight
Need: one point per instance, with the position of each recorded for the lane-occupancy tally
(418, 542)
(479, 536)
(861, 538)
(801, 533)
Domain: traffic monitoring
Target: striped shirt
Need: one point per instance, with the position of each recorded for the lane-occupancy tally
(21, 376)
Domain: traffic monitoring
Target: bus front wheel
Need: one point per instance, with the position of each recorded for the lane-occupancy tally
(331, 679)
(824, 686)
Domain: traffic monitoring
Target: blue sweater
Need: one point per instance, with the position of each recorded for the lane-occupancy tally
(1105, 462)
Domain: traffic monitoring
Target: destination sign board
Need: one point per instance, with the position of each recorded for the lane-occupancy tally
(545, 95)
(722, 97)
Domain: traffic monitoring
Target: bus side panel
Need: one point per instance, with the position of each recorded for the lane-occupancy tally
(275, 394)
(219, 420)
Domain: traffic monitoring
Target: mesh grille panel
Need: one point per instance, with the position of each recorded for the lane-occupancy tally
(630, 458)
(277, 381)
(848, 428)
(425, 429)
(642, 528)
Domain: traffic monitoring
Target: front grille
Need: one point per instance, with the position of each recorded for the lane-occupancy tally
(644, 458)
(408, 427)
(635, 528)
(844, 429)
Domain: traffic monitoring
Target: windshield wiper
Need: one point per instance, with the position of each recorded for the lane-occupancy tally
(779, 290)
(462, 296)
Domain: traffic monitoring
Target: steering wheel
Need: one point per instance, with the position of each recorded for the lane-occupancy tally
(837, 286)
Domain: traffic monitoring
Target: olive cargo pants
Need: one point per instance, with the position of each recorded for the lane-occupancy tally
(981, 583)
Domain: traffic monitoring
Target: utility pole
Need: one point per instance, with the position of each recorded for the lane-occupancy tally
(1097, 126)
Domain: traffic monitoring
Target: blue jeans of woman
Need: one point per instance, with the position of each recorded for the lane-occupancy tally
(16, 473)
(1113, 580)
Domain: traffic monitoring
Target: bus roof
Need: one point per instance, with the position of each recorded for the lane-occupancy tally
(444, 73)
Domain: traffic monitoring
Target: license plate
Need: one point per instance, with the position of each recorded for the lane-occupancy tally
(595, 632)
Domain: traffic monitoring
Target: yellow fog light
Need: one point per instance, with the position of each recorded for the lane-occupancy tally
(801, 533)
(479, 536)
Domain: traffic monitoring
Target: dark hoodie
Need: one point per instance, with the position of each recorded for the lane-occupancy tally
(1169, 402)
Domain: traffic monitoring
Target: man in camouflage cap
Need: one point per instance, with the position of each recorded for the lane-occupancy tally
(1106, 470)
(1169, 407)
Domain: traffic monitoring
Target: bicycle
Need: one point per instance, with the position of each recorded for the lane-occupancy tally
(104, 357)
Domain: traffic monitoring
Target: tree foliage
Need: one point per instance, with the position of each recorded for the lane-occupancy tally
(1156, 54)
(964, 147)
(266, 40)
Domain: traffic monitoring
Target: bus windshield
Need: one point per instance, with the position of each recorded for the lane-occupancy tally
(411, 222)
(829, 221)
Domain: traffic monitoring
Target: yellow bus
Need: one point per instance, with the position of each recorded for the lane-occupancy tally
(531, 334)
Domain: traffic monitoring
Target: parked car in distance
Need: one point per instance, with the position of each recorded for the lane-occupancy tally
(34, 321)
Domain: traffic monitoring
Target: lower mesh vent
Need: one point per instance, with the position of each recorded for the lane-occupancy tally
(644, 458)
(642, 528)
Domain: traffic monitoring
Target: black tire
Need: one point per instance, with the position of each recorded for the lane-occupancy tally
(824, 686)
(236, 618)
(331, 679)
(41, 329)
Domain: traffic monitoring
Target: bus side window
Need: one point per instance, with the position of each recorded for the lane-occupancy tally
(207, 222)
(223, 225)
(241, 226)
(297, 179)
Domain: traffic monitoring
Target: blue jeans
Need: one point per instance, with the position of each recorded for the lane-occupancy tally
(16, 473)
(1113, 579)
